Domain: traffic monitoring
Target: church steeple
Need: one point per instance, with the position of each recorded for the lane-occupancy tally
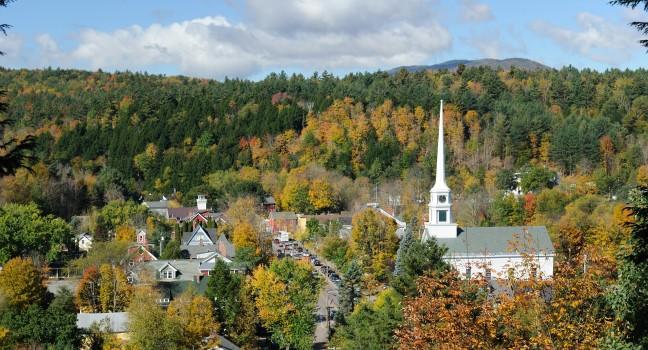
(440, 220)
(440, 183)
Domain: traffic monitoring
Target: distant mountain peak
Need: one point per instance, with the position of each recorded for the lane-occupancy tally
(507, 63)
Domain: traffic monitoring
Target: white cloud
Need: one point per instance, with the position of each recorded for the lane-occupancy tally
(490, 44)
(596, 38)
(11, 45)
(473, 11)
(281, 34)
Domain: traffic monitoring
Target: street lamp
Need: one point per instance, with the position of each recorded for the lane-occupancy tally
(161, 242)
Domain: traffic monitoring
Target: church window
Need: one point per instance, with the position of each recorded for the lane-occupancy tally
(442, 215)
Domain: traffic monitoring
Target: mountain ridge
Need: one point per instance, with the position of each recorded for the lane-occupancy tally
(452, 65)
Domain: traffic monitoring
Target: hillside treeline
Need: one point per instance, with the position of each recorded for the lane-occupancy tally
(103, 136)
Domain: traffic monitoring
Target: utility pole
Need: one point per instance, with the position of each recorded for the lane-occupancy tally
(376, 188)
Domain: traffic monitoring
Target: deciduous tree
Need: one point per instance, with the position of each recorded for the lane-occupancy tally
(21, 283)
(286, 296)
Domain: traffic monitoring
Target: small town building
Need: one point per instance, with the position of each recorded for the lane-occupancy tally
(138, 254)
(343, 218)
(269, 204)
(489, 252)
(117, 324)
(114, 322)
(84, 241)
(201, 242)
(160, 207)
(282, 221)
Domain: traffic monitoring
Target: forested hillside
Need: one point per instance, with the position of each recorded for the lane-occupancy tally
(104, 136)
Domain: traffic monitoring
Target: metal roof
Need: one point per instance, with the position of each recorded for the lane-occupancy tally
(157, 204)
(283, 215)
(512, 240)
(116, 320)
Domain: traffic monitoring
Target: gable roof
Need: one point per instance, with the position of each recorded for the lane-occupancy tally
(225, 344)
(197, 250)
(84, 235)
(230, 250)
(208, 263)
(398, 220)
(186, 269)
(182, 212)
(168, 264)
(488, 241)
(141, 250)
(209, 232)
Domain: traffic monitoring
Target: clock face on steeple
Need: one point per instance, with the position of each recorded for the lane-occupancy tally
(442, 198)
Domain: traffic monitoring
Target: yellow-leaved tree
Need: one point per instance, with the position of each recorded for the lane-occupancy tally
(245, 236)
(125, 233)
(374, 241)
(286, 299)
(195, 316)
(21, 283)
(114, 290)
(322, 196)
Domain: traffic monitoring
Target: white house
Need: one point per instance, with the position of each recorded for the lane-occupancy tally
(492, 252)
(84, 241)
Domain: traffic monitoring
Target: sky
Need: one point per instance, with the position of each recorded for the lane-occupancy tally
(251, 38)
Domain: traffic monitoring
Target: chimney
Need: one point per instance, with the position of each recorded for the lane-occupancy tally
(201, 202)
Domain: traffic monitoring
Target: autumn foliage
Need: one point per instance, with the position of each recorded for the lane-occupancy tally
(567, 312)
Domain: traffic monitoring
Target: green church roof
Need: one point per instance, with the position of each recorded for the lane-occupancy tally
(512, 240)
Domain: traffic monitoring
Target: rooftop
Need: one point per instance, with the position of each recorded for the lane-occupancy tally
(283, 215)
(481, 241)
(162, 204)
(116, 320)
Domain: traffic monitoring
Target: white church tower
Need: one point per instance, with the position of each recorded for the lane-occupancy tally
(440, 222)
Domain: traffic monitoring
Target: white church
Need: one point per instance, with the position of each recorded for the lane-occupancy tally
(489, 252)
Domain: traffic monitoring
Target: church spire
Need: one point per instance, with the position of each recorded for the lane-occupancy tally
(440, 183)
(440, 222)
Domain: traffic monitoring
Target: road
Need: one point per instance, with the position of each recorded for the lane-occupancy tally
(328, 298)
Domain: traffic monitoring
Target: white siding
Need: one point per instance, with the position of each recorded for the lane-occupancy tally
(502, 265)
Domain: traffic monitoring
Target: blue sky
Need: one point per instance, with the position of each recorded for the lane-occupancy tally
(249, 38)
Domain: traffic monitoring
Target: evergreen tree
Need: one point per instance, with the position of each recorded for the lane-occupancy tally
(14, 152)
(629, 297)
(223, 290)
(404, 244)
(350, 288)
(171, 250)
(640, 25)
(420, 258)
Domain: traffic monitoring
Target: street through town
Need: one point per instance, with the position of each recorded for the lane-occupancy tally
(328, 300)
